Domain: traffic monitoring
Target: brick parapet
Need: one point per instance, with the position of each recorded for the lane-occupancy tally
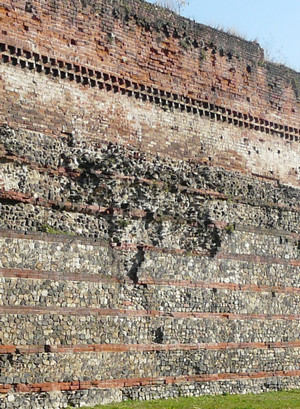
(119, 29)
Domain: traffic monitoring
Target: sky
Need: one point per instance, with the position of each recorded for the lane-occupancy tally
(275, 24)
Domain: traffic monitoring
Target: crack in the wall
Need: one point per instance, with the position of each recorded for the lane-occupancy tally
(137, 262)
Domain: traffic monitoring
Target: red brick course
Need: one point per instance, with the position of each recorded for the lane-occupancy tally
(62, 349)
(121, 383)
(25, 310)
(98, 278)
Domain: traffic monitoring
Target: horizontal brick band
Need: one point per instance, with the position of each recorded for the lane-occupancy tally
(51, 238)
(123, 383)
(98, 278)
(92, 77)
(35, 349)
(117, 312)
(57, 276)
(258, 259)
(221, 286)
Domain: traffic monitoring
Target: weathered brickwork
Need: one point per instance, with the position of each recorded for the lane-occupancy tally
(149, 208)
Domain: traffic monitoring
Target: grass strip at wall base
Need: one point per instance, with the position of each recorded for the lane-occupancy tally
(270, 400)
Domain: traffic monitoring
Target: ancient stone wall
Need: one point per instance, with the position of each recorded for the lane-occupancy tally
(149, 207)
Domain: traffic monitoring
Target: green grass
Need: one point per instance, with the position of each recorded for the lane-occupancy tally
(271, 400)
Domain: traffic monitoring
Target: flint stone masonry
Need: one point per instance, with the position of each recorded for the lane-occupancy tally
(56, 329)
(53, 367)
(149, 208)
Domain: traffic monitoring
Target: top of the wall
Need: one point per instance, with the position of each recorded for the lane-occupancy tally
(192, 33)
(168, 23)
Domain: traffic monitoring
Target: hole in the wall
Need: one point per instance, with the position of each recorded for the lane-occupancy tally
(47, 348)
(73, 42)
(28, 7)
(12, 49)
(159, 336)
(249, 69)
(176, 34)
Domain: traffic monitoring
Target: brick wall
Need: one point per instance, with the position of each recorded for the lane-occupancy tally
(240, 111)
(149, 207)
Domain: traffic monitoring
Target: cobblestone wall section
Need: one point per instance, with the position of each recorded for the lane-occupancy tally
(181, 267)
(65, 329)
(51, 367)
